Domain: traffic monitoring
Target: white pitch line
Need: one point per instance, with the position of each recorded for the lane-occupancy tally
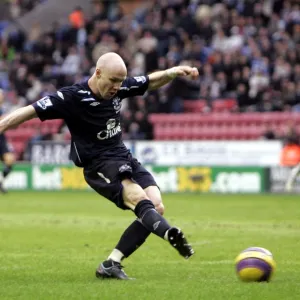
(200, 243)
(203, 262)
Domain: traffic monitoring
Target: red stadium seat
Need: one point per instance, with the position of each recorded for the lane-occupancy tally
(67, 136)
(218, 125)
(224, 105)
(33, 123)
(20, 135)
(18, 148)
(194, 105)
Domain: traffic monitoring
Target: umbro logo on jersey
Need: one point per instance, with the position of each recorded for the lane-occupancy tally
(84, 92)
(88, 99)
(94, 103)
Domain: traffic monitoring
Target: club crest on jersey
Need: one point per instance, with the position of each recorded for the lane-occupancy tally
(117, 104)
(112, 129)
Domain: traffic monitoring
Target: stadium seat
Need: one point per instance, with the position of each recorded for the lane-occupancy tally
(51, 126)
(20, 134)
(33, 123)
(67, 136)
(218, 125)
(194, 105)
(224, 105)
(18, 148)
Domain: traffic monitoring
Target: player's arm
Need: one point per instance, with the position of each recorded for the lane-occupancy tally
(160, 78)
(17, 117)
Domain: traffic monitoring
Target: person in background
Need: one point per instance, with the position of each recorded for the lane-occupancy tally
(290, 157)
(6, 151)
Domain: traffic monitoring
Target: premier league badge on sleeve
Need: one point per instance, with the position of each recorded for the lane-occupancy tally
(141, 79)
(44, 103)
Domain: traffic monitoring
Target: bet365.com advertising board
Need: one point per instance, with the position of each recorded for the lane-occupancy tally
(169, 179)
(211, 179)
(45, 177)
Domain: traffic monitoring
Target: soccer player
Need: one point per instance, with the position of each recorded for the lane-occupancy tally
(6, 152)
(292, 178)
(289, 158)
(91, 110)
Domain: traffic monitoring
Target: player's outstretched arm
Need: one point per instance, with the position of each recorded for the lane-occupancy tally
(17, 117)
(160, 78)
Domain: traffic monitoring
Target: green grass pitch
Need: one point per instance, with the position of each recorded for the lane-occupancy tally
(51, 243)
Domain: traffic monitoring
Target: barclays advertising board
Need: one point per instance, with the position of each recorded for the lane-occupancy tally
(56, 152)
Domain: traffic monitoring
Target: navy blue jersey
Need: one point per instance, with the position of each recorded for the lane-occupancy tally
(94, 123)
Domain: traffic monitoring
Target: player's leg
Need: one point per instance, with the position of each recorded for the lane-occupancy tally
(154, 194)
(136, 199)
(136, 234)
(175, 236)
(8, 161)
(132, 238)
(106, 181)
(292, 177)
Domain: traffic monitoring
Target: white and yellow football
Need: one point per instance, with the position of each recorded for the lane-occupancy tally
(255, 264)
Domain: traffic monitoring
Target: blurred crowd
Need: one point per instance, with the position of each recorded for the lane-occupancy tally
(19, 7)
(244, 49)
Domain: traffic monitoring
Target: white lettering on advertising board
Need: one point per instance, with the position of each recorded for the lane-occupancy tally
(56, 153)
(209, 153)
(46, 180)
(234, 182)
(17, 180)
(166, 180)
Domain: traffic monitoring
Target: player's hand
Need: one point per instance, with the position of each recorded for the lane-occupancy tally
(192, 72)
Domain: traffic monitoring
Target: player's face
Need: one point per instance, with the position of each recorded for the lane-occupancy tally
(110, 82)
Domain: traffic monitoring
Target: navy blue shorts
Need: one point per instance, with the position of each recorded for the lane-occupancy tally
(4, 146)
(106, 175)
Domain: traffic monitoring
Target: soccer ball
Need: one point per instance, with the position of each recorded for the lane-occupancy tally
(255, 264)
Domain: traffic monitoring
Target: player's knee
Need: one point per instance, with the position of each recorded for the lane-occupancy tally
(160, 208)
(135, 197)
(154, 195)
(133, 193)
(10, 162)
(9, 159)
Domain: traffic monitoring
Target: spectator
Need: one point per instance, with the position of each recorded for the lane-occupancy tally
(290, 155)
(71, 63)
(290, 135)
(76, 18)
